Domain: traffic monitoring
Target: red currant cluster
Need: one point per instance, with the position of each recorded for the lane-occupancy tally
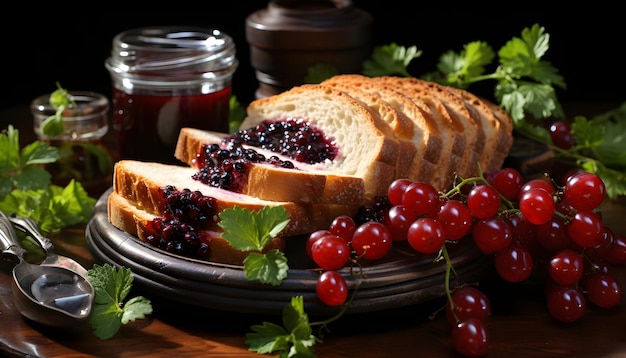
(552, 232)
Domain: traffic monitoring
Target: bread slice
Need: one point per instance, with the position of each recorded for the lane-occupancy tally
(496, 124)
(426, 136)
(453, 117)
(363, 150)
(393, 123)
(142, 182)
(306, 183)
(135, 221)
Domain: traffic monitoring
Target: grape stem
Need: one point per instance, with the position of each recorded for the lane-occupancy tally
(449, 269)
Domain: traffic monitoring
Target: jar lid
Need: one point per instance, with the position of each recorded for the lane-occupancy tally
(172, 51)
(309, 25)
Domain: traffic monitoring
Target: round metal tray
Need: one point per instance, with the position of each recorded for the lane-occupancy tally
(403, 278)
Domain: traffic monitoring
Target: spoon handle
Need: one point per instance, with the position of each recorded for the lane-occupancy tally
(9, 242)
(29, 227)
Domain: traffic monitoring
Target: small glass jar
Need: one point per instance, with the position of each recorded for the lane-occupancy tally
(83, 153)
(164, 79)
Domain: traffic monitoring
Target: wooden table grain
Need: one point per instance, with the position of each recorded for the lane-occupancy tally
(520, 325)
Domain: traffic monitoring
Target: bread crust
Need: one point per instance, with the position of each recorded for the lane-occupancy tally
(135, 221)
(141, 183)
(498, 128)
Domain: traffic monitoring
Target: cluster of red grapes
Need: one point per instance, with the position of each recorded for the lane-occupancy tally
(552, 232)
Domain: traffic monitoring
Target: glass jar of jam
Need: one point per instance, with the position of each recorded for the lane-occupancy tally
(83, 153)
(166, 78)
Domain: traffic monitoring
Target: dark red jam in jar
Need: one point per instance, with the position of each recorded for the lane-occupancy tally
(164, 79)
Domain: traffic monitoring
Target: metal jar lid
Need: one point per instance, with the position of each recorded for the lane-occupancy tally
(172, 55)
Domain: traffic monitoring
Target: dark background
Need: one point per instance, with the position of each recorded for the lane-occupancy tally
(72, 49)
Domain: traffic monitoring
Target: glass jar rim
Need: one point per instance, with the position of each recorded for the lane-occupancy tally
(88, 104)
(171, 49)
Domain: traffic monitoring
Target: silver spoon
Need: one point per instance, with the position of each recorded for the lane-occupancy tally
(30, 228)
(51, 295)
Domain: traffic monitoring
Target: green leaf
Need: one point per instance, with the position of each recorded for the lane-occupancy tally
(136, 308)
(38, 152)
(9, 150)
(391, 59)
(267, 338)
(236, 114)
(53, 125)
(294, 340)
(31, 178)
(111, 287)
(320, 72)
(269, 268)
(521, 57)
(460, 69)
(60, 100)
(248, 230)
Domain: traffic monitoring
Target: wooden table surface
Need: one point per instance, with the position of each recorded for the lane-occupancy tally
(520, 325)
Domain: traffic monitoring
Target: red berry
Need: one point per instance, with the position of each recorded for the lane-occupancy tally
(470, 338)
(584, 191)
(372, 240)
(467, 302)
(455, 218)
(332, 288)
(330, 252)
(426, 235)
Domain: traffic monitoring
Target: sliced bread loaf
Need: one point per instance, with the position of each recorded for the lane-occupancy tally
(497, 126)
(426, 136)
(453, 110)
(359, 147)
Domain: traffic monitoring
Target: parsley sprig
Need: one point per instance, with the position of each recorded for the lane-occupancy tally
(26, 189)
(110, 309)
(252, 231)
(294, 339)
(60, 100)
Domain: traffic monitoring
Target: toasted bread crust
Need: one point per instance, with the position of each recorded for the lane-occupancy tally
(135, 221)
(141, 184)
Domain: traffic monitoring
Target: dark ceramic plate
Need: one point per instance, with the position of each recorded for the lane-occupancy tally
(403, 278)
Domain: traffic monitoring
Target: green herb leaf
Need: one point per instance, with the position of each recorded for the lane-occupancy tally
(269, 268)
(25, 186)
(60, 100)
(111, 287)
(320, 72)
(236, 114)
(462, 68)
(391, 59)
(53, 208)
(248, 230)
(295, 339)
